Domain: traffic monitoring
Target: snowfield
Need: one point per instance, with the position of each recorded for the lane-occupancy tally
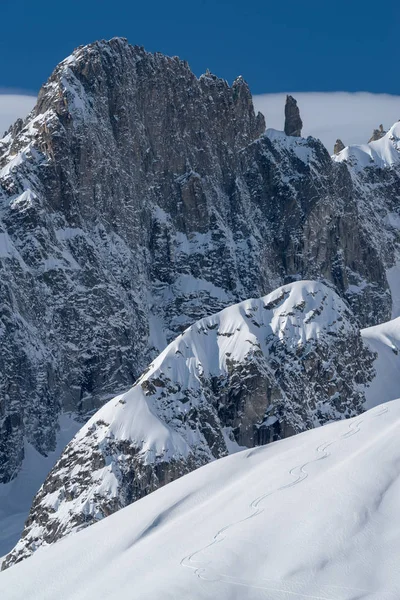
(312, 516)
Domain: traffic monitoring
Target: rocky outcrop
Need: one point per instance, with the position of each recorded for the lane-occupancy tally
(377, 134)
(256, 372)
(338, 147)
(293, 122)
(109, 192)
(136, 199)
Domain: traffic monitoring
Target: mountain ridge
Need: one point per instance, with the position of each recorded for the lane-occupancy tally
(257, 371)
(136, 199)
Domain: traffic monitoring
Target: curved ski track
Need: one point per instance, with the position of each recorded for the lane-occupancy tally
(300, 474)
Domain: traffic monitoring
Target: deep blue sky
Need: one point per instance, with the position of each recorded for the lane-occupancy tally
(303, 45)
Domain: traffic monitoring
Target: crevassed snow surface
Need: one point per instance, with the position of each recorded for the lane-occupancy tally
(384, 339)
(382, 153)
(17, 495)
(312, 516)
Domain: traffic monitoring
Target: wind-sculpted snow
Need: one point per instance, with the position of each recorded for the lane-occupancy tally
(381, 153)
(310, 517)
(257, 371)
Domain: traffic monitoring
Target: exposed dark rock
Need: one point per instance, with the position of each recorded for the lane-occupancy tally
(338, 147)
(136, 199)
(377, 134)
(293, 122)
(254, 373)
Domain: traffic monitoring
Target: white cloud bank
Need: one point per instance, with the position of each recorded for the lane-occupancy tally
(326, 115)
(13, 107)
(331, 115)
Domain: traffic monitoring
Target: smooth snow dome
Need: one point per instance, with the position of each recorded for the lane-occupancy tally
(332, 115)
(13, 107)
(312, 516)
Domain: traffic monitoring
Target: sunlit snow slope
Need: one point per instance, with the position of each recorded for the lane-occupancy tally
(259, 370)
(312, 516)
(384, 339)
(381, 153)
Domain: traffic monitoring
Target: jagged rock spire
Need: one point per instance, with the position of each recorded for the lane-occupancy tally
(338, 147)
(293, 122)
(377, 134)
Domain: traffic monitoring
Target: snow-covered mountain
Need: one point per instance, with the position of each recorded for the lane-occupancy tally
(382, 153)
(257, 371)
(136, 199)
(313, 516)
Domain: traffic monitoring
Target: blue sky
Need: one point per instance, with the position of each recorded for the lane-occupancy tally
(306, 45)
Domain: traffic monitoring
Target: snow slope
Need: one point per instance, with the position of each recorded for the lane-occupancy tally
(257, 371)
(313, 516)
(294, 314)
(17, 495)
(384, 339)
(382, 153)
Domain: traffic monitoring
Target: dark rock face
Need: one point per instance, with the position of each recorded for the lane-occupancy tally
(124, 150)
(256, 372)
(377, 134)
(338, 147)
(293, 122)
(136, 199)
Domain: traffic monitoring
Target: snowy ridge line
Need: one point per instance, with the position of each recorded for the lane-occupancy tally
(381, 153)
(329, 537)
(201, 571)
(259, 370)
(256, 210)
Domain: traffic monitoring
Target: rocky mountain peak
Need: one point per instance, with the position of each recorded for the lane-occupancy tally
(377, 134)
(293, 122)
(137, 199)
(119, 82)
(338, 147)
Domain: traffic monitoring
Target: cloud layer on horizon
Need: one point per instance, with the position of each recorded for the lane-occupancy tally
(331, 115)
(13, 107)
(326, 115)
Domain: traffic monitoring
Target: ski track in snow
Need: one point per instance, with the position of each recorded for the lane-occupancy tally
(300, 475)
